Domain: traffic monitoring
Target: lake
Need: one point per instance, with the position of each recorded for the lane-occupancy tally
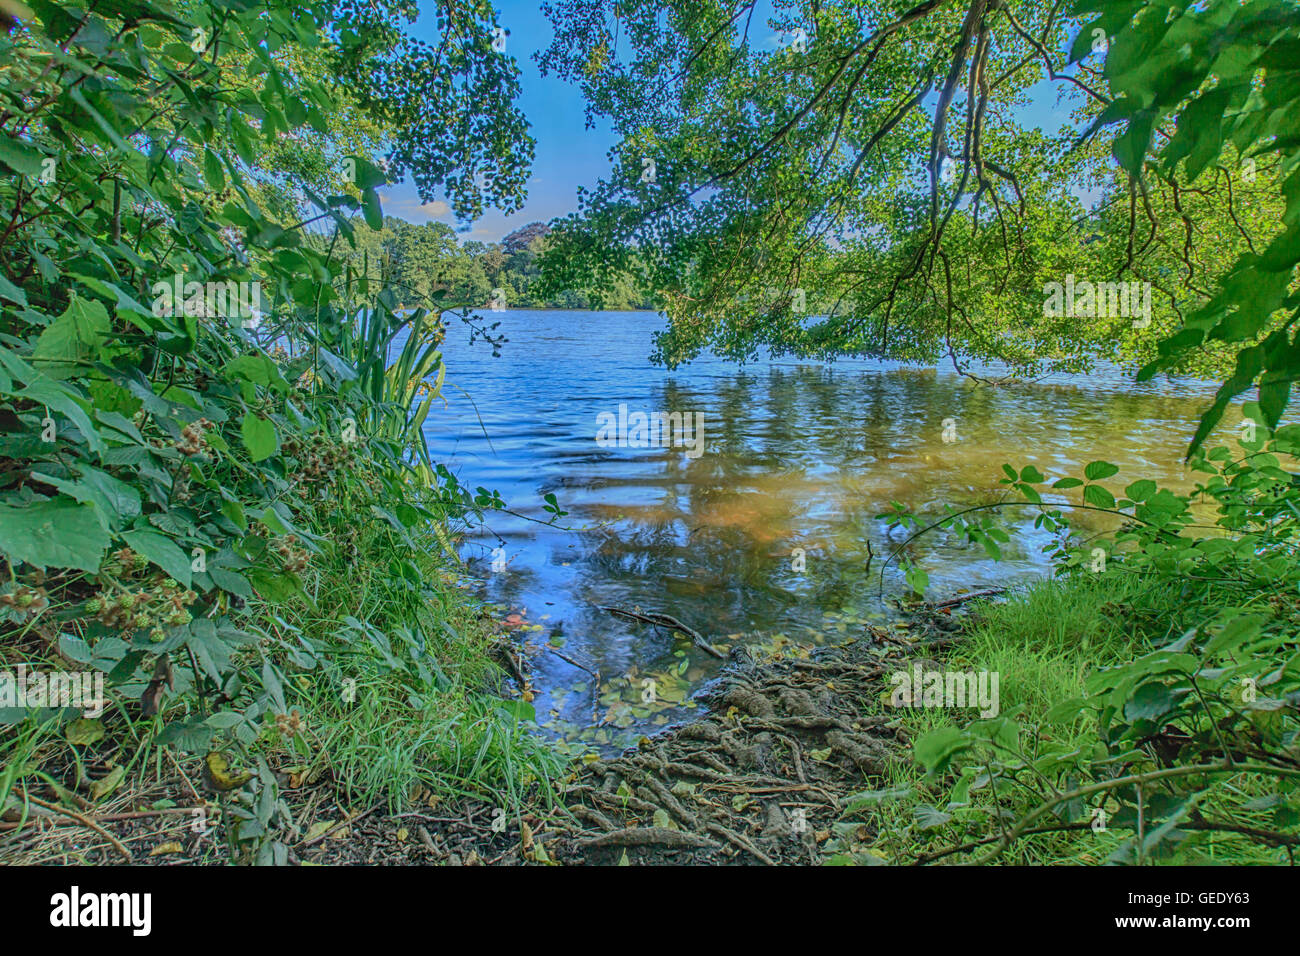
(785, 456)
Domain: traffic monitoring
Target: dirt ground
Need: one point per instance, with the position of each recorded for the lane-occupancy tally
(760, 777)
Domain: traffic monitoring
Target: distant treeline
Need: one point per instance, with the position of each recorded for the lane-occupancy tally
(423, 259)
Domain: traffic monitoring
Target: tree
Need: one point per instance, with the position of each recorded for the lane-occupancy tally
(858, 181)
(1227, 76)
(523, 237)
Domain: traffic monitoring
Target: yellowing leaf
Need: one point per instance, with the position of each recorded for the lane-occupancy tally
(318, 828)
(108, 783)
(217, 773)
(84, 731)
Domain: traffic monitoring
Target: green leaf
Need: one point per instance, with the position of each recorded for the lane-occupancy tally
(1098, 497)
(1065, 712)
(1098, 470)
(228, 580)
(259, 436)
(162, 551)
(1151, 701)
(916, 578)
(366, 175)
(212, 171)
(277, 588)
(1237, 631)
(46, 391)
(271, 681)
(58, 533)
(1141, 490)
(936, 749)
(234, 511)
(110, 131)
(11, 292)
(73, 339)
(929, 818)
(1030, 493)
(258, 369)
(115, 501)
(23, 158)
(371, 209)
(75, 649)
(518, 710)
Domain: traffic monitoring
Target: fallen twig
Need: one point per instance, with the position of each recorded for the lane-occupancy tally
(643, 836)
(670, 622)
(86, 822)
(569, 660)
(974, 595)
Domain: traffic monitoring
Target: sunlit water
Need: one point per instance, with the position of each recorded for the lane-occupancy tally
(794, 456)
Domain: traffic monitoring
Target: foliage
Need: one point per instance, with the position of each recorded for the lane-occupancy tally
(875, 177)
(425, 266)
(452, 103)
(203, 432)
(1197, 728)
(1227, 72)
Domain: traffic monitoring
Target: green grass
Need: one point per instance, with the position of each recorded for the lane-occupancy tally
(443, 728)
(1043, 641)
(413, 700)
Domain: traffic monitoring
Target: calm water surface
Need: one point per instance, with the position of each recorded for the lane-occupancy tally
(795, 456)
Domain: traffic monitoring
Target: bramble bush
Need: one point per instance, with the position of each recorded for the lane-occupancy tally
(182, 478)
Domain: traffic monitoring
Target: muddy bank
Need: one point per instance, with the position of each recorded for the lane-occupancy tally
(760, 777)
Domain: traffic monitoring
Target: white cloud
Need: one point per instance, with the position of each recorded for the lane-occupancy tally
(413, 210)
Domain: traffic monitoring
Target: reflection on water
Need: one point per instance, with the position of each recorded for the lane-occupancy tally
(795, 457)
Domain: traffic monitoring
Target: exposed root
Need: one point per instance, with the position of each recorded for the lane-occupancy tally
(765, 770)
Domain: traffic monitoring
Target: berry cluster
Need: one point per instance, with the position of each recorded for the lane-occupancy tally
(295, 559)
(291, 723)
(30, 601)
(150, 607)
(193, 439)
(319, 456)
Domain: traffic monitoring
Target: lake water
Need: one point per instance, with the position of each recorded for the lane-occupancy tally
(794, 456)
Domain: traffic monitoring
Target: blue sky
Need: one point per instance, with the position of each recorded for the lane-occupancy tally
(568, 154)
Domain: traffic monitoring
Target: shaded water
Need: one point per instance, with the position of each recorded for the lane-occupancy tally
(794, 456)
